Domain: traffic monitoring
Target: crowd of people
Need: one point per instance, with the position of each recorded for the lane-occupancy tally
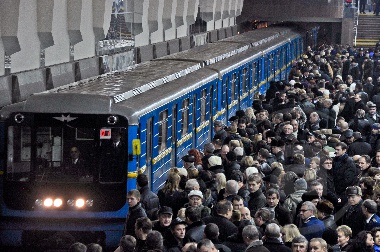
(297, 171)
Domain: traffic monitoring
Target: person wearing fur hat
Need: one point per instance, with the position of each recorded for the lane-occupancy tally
(277, 149)
(325, 213)
(353, 214)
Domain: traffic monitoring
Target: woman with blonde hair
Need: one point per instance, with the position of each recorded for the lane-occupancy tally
(171, 194)
(288, 233)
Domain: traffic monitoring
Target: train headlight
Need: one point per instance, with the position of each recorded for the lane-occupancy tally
(89, 202)
(57, 202)
(112, 120)
(48, 202)
(19, 118)
(79, 203)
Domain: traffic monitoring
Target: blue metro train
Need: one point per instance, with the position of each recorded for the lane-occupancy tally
(69, 155)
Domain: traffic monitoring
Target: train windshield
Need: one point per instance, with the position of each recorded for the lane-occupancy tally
(66, 153)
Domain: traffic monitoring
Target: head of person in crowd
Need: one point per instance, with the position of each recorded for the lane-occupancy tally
(354, 195)
(192, 184)
(206, 245)
(364, 162)
(232, 188)
(192, 214)
(299, 244)
(224, 208)
(318, 187)
(211, 232)
(78, 247)
(363, 241)
(127, 243)
(300, 185)
(94, 247)
(262, 115)
(154, 240)
(254, 182)
(325, 209)
(165, 215)
(307, 210)
(326, 163)
(318, 245)
(133, 198)
(214, 161)
(289, 232)
(223, 153)
(287, 129)
(314, 163)
(250, 234)
(272, 231)
(340, 149)
(195, 198)
(233, 120)
(246, 214)
(208, 149)
(178, 228)
(311, 196)
(220, 179)
(190, 247)
(262, 216)
(218, 126)
(277, 146)
(237, 202)
(143, 226)
(369, 208)
(376, 236)
(188, 161)
(273, 197)
(344, 235)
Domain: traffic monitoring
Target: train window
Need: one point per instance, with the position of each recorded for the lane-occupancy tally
(174, 133)
(162, 130)
(149, 137)
(278, 57)
(253, 75)
(233, 83)
(185, 117)
(225, 93)
(203, 105)
(244, 82)
(271, 62)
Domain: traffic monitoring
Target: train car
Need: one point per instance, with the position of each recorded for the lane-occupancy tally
(69, 155)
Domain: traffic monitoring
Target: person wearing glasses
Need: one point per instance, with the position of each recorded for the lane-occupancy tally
(311, 226)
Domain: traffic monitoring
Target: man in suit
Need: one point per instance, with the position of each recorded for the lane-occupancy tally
(75, 165)
(369, 208)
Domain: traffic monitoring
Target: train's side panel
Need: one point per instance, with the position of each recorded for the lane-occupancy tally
(245, 85)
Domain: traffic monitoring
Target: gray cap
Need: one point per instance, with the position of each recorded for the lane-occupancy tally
(300, 184)
(218, 123)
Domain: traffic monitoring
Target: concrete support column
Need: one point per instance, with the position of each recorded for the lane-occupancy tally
(59, 52)
(9, 13)
(86, 47)
(101, 18)
(74, 17)
(226, 13)
(347, 31)
(156, 9)
(168, 19)
(137, 16)
(29, 56)
(218, 14)
(192, 11)
(182, 29)
(45, 26)
(2, 56)
(207, 8)
(233, 9)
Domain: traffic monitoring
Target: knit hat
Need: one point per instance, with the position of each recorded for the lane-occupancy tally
(300, 184)
(195, 193)
(214, 161)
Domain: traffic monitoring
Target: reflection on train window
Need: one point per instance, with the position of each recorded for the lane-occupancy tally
(185, 117)
(203, 105)
(271, 62)
(225, 93)
(233, 83)
(244, 83)
(163, 130)
(149, 137)
(63, 154)
(254, 75)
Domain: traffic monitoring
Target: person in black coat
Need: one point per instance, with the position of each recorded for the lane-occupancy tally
(149, 200)
(257, 199)
(344, 171)
(222, 219)
(135, 211)
(235, 241)
(326, 178)
(279, 213)
(272, 239)
(195, 228)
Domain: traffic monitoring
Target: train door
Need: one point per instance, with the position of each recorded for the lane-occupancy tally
(283, 63)
(263, 70)
(253, 80)
(278, 65)
(173, 158)
(233, 90)
(202, 121)
(148, 146)
(224, 99)
(245, 77)
(184, 129)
